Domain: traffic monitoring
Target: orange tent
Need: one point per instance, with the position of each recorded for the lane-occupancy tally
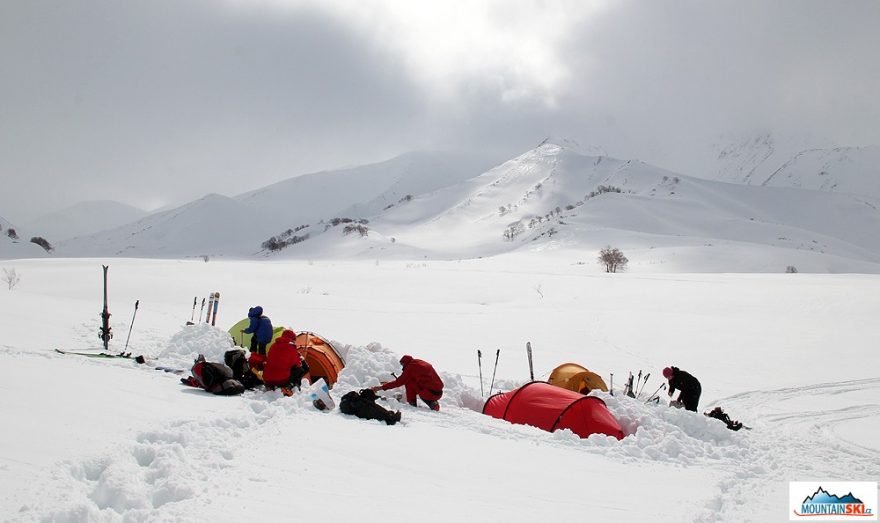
(321, 356)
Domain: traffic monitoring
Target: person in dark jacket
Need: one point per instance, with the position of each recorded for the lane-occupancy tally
(261, 329)
(689, 386)
(285, 367)
(420, 380)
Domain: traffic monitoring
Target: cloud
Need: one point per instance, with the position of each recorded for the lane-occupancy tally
(163, 101)
(174, 99)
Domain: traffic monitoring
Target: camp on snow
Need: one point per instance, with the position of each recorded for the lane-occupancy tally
(323, 359)
(551, 408)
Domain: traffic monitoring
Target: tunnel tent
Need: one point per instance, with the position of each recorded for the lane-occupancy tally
(575, 377)
(552, 408)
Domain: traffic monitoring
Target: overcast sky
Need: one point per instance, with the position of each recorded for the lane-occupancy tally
(161, 101)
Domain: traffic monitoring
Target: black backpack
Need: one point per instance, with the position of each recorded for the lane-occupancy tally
(362, 404)
(215, 378)
(719, 414)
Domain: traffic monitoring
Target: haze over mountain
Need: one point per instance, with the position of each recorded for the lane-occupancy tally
(801, 161)
(85, 218)
(217, 225)
(553, 197)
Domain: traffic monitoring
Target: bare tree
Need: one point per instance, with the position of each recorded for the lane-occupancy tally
(612, 259)
(11, 278)
(42, 242)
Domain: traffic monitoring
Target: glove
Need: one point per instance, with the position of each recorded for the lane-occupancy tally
(669, 393)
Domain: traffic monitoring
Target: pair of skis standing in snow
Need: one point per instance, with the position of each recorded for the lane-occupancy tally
(213, 305)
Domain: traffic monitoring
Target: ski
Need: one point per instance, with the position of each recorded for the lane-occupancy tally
(94, 354)
(105, 334)
(216, 304)
(210, 307)
(202, 310)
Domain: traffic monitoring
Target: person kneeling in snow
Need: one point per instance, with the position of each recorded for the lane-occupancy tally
(687, 384)
(420, 380)
(285, 367)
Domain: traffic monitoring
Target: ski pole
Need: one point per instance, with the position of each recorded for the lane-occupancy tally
(645, 382)
(497, 353)
(611, 388)
(136, 303)
(531, 368)
(480, 367)
(661, 387)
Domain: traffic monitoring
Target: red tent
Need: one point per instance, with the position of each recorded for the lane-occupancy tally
(547, 407)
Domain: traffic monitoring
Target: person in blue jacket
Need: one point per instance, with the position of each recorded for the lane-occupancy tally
(261, 328)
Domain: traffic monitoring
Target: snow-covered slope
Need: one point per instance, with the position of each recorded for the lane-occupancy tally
(19, 245)
(211, 226)
(552, 197)
(853, 170)
(752, 158)
(794, 161)
(85, 218)
(361, 191)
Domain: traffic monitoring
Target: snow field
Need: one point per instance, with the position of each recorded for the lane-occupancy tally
(110, 440)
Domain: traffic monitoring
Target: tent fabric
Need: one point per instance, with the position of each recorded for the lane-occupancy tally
(241, 339)
(574, 377)
(323, 359)
(551, 408)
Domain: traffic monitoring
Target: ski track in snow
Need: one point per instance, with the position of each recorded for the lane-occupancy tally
(814, 449)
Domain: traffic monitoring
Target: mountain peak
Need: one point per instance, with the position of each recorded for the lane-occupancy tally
(573, 146)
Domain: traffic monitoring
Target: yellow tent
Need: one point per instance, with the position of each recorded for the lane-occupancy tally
(574, 377)
(244, 340)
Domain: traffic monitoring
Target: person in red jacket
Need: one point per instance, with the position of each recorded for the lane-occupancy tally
(284, 366)
(420, 380)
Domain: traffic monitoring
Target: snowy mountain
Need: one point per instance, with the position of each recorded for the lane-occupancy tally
(853, 170)
(220, 226)
(552, 197)
(751, 159)
(362, 191)
(85, 218)
(211, 226)
(555, 198)
(794, 161)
